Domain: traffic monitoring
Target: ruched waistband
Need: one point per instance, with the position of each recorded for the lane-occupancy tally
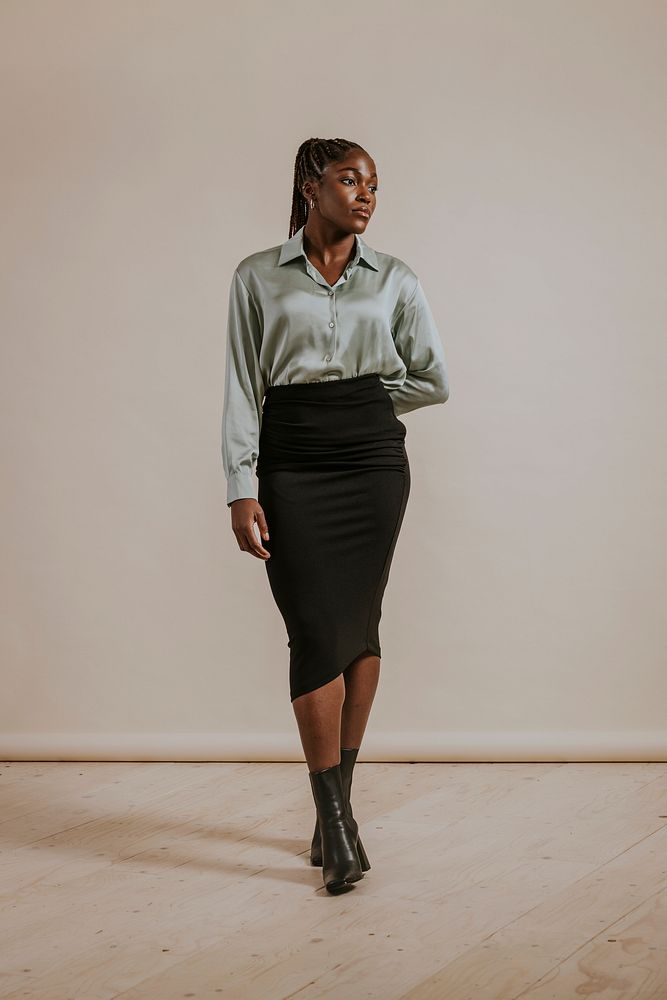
(336, 425)
(322, 386)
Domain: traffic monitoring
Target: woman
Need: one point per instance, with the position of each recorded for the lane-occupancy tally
(328, 342)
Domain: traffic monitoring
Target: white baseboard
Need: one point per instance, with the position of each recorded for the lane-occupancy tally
(525, 747)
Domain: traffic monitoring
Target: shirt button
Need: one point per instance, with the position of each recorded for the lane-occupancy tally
(328, 357)
(330, 324)
(330, 293)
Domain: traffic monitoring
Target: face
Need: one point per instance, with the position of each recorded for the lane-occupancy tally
(346, 191)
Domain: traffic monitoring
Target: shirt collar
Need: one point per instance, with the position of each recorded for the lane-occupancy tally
(294, 248)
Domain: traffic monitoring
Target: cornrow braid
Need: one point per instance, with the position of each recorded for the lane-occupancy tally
(312, 159)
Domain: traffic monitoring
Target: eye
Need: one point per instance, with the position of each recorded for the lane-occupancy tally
(352, 181)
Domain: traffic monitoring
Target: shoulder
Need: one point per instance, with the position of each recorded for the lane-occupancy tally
(255, 265)
(388, 262)
(399, 275)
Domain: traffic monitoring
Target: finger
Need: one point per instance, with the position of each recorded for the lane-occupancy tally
(245, 546)
(244, 543)
(261, 522)
(255, 547)
(239, 540)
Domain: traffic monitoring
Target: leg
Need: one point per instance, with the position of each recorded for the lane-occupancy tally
(318, 716)
(361, 681)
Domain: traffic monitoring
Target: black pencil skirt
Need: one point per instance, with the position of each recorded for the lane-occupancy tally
(334, 481)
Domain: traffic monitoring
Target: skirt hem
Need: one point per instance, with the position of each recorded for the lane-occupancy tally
(339, 670)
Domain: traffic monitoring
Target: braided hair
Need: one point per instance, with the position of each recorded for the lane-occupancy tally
(312, 159)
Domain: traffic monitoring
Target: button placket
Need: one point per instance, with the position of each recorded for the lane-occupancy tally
(332, 324)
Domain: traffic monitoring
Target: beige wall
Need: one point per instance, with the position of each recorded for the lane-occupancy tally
(148, 147)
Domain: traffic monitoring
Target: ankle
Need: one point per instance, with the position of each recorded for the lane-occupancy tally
(324, 767)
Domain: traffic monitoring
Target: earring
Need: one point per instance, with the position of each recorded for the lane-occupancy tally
(312, 204)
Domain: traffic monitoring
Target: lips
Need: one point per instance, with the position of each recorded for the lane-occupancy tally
(362, 211)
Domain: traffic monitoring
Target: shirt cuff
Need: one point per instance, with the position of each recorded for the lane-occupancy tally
(240, 486)
(418, 390)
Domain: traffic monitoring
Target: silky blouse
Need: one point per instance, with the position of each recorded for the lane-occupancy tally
(287, 324)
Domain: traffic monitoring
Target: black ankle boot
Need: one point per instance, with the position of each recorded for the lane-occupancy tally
(339, 851)
(347, 761)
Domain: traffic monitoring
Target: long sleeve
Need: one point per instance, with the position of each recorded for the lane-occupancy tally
(418, 343)
(244, 392)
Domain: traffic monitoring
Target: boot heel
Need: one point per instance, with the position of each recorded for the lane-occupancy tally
(363, 859)
(316, 846)
(348, 758)
(316, 854)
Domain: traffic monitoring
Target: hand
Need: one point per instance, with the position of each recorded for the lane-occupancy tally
(245, 512)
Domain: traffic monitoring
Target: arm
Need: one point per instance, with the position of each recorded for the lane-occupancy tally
(418, 343)
(244, 391)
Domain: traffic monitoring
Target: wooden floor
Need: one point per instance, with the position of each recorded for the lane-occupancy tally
(488, 882)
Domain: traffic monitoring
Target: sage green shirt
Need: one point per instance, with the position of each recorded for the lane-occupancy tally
(287, 324)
